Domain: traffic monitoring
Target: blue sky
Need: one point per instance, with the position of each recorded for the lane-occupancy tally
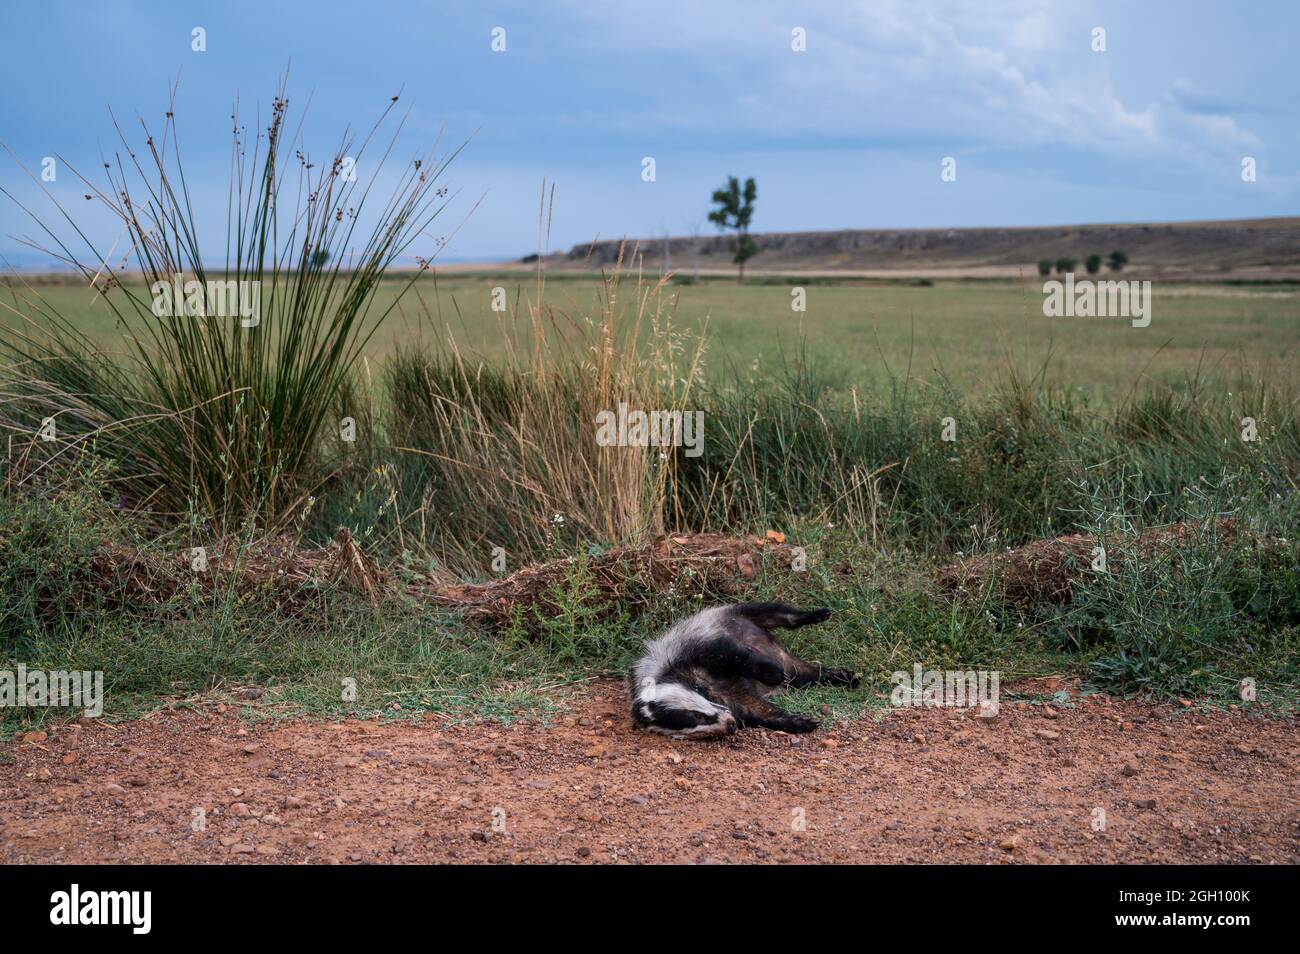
(848, 134)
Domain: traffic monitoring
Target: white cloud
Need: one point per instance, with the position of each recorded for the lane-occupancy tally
(1008, 74)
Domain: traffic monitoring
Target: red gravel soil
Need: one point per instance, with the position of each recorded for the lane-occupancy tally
(1096, 782)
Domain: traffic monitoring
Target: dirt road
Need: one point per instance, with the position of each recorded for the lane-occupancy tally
(1100, 782)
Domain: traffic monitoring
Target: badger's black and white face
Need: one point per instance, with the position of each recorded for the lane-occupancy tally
(675, 709)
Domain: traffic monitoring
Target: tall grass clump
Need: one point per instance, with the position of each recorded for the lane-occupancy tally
(793, 449)
(507, 455)
(205, 411)
(502, 454)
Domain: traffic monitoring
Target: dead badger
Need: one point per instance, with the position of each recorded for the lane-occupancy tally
(711, 674)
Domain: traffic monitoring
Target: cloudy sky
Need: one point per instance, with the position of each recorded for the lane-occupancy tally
(849, 133)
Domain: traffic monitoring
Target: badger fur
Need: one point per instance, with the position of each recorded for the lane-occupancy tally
(713, 672)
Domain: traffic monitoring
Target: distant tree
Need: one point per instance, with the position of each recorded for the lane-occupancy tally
(1117, 261)
(734, 212)
(1093, 264)
(1045, 267)
(1064, 265)
(320, 257)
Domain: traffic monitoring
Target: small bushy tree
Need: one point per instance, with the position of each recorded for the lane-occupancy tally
(1117, 260)
(735, 210)
(1045, 267)
(1064, 265)
(1093, 264)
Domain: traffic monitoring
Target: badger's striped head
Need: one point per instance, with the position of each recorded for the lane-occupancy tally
(675, 709)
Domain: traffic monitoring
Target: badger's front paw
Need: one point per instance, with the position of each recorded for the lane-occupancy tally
(799, 723)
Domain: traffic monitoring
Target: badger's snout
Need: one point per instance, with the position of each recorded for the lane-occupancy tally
(719, 722)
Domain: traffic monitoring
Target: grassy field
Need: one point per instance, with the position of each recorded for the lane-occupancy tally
(815, 428)
(858, 333)
(890, 429)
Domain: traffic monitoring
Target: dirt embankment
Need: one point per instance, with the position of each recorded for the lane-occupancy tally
(631, 575)
(1246, 248)
(1095, 781)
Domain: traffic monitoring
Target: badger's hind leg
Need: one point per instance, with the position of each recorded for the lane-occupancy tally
(780, 615)
(794, 671)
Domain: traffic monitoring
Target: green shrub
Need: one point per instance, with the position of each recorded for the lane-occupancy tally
(223, 415)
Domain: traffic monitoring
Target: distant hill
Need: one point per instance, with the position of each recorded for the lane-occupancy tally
(1246, 248)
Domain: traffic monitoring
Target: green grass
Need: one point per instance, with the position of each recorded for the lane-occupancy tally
(213, 401)
(858, 332)
(477, 429)
(818, 440)
(1192, 622)
(64, 610)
